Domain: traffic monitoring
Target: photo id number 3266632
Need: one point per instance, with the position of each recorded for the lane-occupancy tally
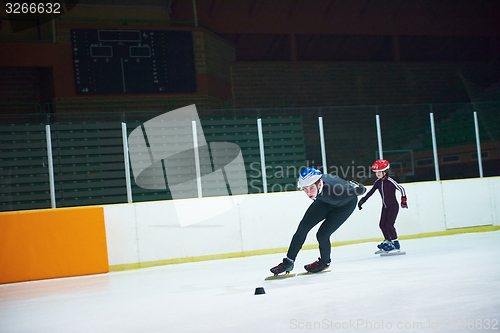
(479, 324)
(32, 8)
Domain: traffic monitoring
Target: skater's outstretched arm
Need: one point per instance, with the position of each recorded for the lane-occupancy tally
(369, 194)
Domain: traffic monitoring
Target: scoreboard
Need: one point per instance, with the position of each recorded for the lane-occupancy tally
(133, 61)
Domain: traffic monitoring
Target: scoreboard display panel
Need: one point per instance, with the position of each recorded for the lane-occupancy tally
(133, 61)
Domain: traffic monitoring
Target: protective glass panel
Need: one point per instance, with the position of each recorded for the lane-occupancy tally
(350, 141)
(407, 142)
(24, 177)
(488, 114)
(456, 141)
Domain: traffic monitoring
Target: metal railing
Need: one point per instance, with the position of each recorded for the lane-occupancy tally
(61, 160)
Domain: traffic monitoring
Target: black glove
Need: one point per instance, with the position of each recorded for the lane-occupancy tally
(404, 202)
(358, 188)
(361, 202)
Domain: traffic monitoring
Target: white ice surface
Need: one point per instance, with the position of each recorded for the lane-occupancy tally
(441, 283)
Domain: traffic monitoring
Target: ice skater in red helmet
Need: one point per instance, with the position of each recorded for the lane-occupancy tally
(390, 207)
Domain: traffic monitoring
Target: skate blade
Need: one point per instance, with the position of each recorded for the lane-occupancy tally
(307, 273)
(281, 276)
(392, 253)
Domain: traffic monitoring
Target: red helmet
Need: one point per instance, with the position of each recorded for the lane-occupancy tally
(380, 165)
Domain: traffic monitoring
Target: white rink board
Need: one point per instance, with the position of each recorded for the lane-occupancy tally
(494, 191)
(467, 203)
(163, 230)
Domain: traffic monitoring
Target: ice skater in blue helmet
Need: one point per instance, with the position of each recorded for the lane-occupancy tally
(334, 200)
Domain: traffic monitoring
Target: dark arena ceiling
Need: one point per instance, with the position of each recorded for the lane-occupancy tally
(353, 30)
(344, 30)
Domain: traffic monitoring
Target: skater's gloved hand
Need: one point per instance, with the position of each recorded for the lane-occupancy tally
(361, 202)
(404, 203)
(358, 188)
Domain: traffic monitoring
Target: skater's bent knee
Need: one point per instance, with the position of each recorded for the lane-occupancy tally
(322, 238)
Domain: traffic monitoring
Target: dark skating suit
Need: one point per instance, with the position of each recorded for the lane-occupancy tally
(390, 207)
(334, 204)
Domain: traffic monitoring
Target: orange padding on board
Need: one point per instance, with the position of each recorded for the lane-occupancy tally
(52, 243)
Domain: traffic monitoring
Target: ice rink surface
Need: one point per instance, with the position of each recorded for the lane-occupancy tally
(449, 283)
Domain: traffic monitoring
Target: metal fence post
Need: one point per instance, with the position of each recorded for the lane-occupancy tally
(379, 137)
(322, 141)
(262, 155)
(127, 163)
(197, 160)
(51, 167)
(478, 145)
(434, 146)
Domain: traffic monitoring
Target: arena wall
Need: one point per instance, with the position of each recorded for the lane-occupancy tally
(52, 243)
(156, 233)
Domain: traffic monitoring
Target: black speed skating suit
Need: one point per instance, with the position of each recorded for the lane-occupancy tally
(334, 204)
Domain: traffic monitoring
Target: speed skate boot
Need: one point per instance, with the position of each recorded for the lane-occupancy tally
(317, 266)
(285, 266)
(383, 244)
(392, 246)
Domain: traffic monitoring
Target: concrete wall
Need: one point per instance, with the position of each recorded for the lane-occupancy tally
(152, 233)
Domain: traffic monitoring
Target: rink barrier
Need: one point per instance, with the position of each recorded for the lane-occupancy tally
(146, 234)
(124, 267)
(52, 243)
(63, 242)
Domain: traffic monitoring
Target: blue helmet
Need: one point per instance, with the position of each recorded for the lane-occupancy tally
(308, 177)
